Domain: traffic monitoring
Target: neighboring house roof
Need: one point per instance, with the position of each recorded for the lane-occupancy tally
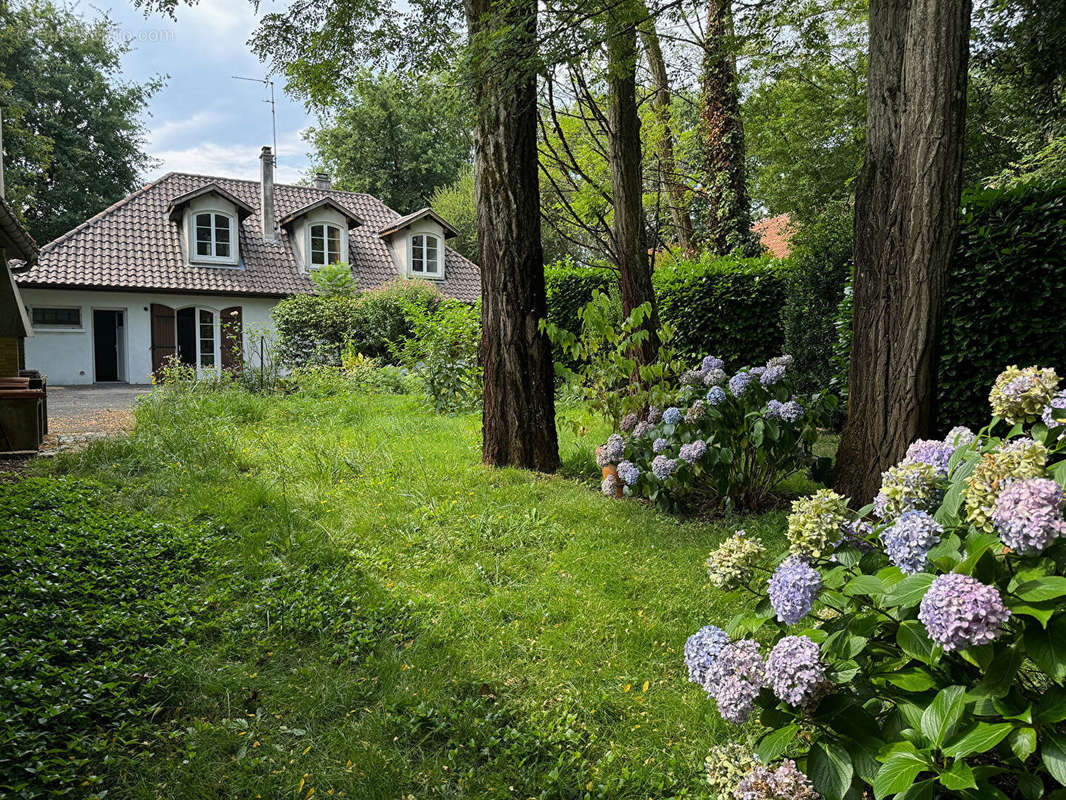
(133, 245)
(775, 234)
(415, 216)
(16, 243)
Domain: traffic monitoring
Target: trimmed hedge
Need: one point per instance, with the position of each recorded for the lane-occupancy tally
(729, 306)
(1004, 296)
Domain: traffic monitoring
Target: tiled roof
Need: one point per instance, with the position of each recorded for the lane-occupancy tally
(775, 234)
(413, 217)
(14, 236)
(133, 245)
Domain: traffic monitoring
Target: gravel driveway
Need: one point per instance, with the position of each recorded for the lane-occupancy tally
(100, 409)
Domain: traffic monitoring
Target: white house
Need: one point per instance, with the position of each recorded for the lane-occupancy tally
(186, 265)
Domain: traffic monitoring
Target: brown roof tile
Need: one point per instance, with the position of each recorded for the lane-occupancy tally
(775, 234)
(133, 245)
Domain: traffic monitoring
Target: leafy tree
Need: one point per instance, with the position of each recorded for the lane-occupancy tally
(455, 202)
(72, 136)
(398, 136)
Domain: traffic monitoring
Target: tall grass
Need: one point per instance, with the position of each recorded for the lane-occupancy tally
(524, 633)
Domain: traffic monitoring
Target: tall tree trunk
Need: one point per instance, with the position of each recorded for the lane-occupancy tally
(627, 188)
(518, 421)
(906, 207)
(672, 187)
(729, 215)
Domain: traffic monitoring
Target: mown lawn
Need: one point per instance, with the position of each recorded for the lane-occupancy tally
(376, 615)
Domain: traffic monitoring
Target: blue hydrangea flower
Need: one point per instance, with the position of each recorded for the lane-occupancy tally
(932, 452)
(611, 451)
(696, 411)
(659, 445)
(1028, 515)
(784, 361)
(663, 467)
(672, 415)
(773, 409)
(716, 395)
(773, 374)
(735, 678)
(654, 415)
(960, 436)
(795, 671)
(910, 539)
(793, 588)
(711, 362)
(960, 612)
(629, 422)
(628, 472)
(714, 377)
(791, 411)
(739, 383)
(691, 377)
(757, 372)
(701, 650)
(609, 486)
(693, 451)
(642, 429)
(1054, 415)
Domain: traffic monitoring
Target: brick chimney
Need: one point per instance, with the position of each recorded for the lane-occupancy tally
(322, 180)
(266, 195)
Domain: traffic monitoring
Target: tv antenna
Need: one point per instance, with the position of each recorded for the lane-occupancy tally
(273, 116)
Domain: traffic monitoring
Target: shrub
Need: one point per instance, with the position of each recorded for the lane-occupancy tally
(316, 329)
(456, 204)
(334, 279)
(728, 440)
(1004, 294)
(729, 306)
(443, 351)
(921, 652)
(570, 288)
(605, 368)
(814, 287)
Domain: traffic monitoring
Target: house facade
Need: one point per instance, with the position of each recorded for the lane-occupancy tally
(189, 265)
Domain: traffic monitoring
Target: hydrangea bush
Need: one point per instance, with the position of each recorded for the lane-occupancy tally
(719, 438)
(914, 648)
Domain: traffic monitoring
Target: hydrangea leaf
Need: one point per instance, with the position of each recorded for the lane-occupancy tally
(1042, 612)
(1023, 742)
(1053, 754)
(978, 739)
(1051, 707)
(943, 714)
(864, 584)
(909, 591)
(913, 640)
(1046, 588)
(830, 770)
(897, 774)
(923, 790)
(1058, 472)
(999, 675)
(1048, 647)
(976, 546)
(958, 776)
(773, 744)
(913, 679)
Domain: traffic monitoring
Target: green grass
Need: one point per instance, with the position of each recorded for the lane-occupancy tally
(383, 617)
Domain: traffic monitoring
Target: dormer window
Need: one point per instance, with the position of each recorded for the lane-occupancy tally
(425, 255)
(325, 244)
(214, 236)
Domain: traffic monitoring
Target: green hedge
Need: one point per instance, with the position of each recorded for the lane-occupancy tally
(1004, 296)
(729, 307)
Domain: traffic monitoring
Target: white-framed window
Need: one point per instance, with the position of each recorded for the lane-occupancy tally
(214, 237)
(325, 244)
(426, 255)
(197, 337)
(55, 317)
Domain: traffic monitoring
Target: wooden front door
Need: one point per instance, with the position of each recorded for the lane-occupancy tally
(232, 338)
(164, 344)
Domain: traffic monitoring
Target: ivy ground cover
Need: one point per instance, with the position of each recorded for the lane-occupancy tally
(336, 599)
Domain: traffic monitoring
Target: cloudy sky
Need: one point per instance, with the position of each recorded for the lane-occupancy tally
(203, 120)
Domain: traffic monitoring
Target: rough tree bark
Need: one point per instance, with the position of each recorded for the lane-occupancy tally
(627, 189)
(672, 187)
(906, 207)
(518, 421)
(729, 214)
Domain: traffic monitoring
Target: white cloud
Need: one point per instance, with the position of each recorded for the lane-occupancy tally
(234, 160)
(175, 130)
